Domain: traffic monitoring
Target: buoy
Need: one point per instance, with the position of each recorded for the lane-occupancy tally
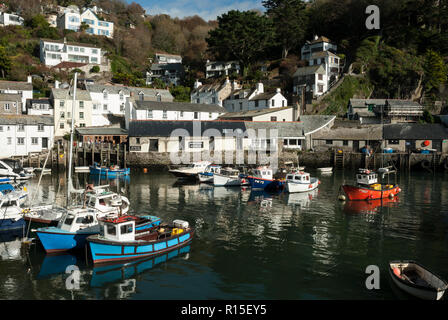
(391, 195)
(341, 197)
(145, 170)
(397, 272)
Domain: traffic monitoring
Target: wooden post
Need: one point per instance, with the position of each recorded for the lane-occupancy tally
(93, 152)
(101, 155)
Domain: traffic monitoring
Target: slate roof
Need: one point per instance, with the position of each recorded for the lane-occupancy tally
(115, 89)
(415, 131)
(15, 85)
(364, 132)
(309, 70)
(164, 128)
(25, 119)
(10, 97)
(69, 43)
(64, 94)
(178, 106)
(106, 131)
(251, 113)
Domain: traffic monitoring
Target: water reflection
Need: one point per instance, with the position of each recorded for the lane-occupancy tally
(369, 206)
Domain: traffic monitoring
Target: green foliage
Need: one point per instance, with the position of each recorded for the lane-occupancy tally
(435, 71)
(242, 36)
(427, 117)
(337, 101)
(95, 69)
(158, 84)
(180, 93)
(5, 62)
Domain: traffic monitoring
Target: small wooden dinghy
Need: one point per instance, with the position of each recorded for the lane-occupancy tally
(325, 170)
(417, 280)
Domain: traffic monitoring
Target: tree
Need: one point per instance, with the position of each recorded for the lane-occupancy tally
(5, 62)
(180, 93)
(435, 71)
(242, 36)
(290, 21)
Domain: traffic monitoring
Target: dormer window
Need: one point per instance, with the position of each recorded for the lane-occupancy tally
(121, 95)
(105, 95)
(141, 96)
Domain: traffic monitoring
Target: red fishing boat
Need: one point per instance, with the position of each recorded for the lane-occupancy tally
(368, 188)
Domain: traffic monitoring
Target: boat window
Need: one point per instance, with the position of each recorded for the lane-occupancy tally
(307, 178)
(297, 178)
(111, 230)
(289, 176)
(126, 228)
(69, 220)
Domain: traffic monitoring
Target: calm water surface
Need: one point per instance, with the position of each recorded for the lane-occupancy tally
(248, 245)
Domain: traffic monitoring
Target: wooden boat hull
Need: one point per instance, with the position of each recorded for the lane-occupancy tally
(108, 172)
(361, 193)
(415, 290)
(104, 251)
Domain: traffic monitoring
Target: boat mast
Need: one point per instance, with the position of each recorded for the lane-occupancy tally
(69, 179)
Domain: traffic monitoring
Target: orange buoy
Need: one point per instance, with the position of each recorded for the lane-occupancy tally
(145, 170)
(397, 272)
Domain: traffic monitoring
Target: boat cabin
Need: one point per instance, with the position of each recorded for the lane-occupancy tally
(105, 201)
(298, 177)
(199, 165)
(78, 219)
(117, 228)
(229, 172)
(366, 177)
(213, 168)
(264, 173)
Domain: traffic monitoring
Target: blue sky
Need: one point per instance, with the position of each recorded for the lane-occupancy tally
(207, 9)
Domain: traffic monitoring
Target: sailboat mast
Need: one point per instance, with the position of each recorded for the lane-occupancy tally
(69, 179)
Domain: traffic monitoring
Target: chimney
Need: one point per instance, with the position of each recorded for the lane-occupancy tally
(316, 37)
(260, 87)
(278, 90)
(227, 80)
(197, 84)
(65, 40)
(29, 79)
(234, 85)
(56, 84)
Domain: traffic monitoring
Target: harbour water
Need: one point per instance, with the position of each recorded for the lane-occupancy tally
(247, 245)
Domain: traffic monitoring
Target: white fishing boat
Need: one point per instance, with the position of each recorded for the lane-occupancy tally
(190, 171)
(207, 174)
(300, 181)
(226, 178)
(10, 213)
(417, 280)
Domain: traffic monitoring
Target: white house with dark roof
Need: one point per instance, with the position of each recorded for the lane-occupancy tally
(220, 68)
(111, 99)
(22, 134)
(318, 44)
(267, 114)
(62, 100)
(314, 78)
(156, 110)
(214, 93)
(40, 107)
(22, 88)
(254, 99)
(54, 52)
(166, 67)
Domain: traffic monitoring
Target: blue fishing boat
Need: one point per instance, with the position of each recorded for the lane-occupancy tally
(120, 239)
(263, 179)
(75, 226)
(10, 213)
(112, 172)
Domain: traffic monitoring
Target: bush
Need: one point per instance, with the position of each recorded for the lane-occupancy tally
(95, 69)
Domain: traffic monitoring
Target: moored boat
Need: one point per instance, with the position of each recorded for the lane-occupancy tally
(190, 171)
(11, 213)
(226, 178)
(300, 181)
(207, 175)
(121, 240)
(368, 188)
(263, 178)
(417, 280)
(73, 229)
(111, 172)
(6, 187)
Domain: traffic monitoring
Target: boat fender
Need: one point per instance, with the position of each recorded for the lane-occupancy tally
(399, 190)
(391, 195)
(310, 186)
(397, 272)
(341, 197)
(318, 182)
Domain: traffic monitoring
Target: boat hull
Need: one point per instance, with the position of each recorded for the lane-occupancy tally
(109, 173)
(361, 193)
(266, 184)
(53, 240)
(206, 177)
(293, 187)
(223, 181)
(104, 251)
(421, 292)
(12, 224)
